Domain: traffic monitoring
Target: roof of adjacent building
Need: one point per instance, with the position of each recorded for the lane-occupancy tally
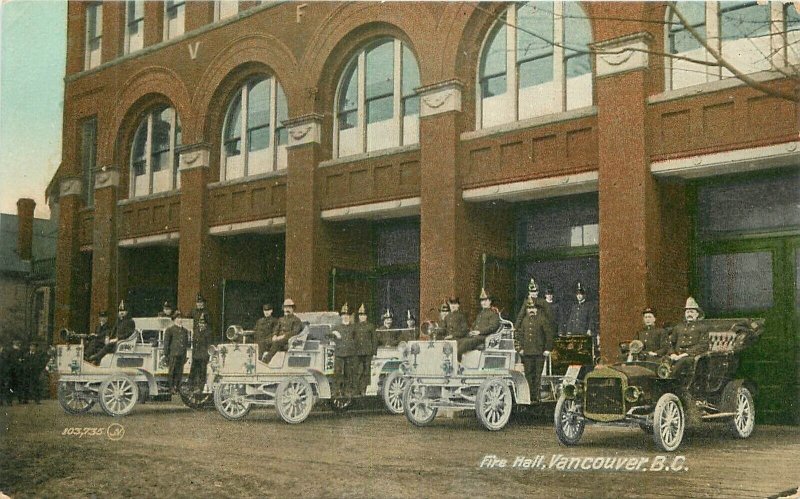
(43, 244)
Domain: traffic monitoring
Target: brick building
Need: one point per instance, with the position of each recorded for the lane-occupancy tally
(398, 153)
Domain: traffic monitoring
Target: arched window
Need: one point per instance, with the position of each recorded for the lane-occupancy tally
(749, 36)
(154, 160)
(253, 137)
(376, 105)
(546, 44)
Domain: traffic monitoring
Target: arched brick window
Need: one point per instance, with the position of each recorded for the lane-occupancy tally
(154, 160)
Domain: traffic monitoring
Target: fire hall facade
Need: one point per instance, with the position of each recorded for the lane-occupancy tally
(396, 154)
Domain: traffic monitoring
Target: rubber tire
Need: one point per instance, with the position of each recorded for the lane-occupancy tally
(64, 392)
(221, 397)
(204, 401)
(392, 391)
(130, 393)
(564, 407)
(744, 403)
(340, 405)
(411, 403)
(668, 405)
(294, 387)
(505, 403)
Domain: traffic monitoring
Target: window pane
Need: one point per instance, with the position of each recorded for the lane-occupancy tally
(94, 20)
(258, 110)
(258, 138)
(572, 222)
(380, 70)
(493, 86)
(745, 36)
(577, 29)
(175, 18)
(792, 34)
(233, 122)
(536, 72)
(380, 109)
(685, 73)
(227, 8)
(162, 131)
(535, 30)
(411, 106)
(751, 205)
(139, 149)
(410, 72)
(737, 281)
(494, 57)
(348, 95)
(348, 120)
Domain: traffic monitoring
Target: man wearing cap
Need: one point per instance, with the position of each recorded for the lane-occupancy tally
(655, 339)
(33, 367)
(176, 343)
(345, 367)
(386, 333)
(166, 310)
(6, 375)
(287, 327)
(455, 324)
(410, 333)
(123, 329)
(264, 329)
(582, 316)
(97, 340)
(690, 338)
(556, 312)
(202, 338)
(535, 342)
(542, 306)
(366, 347)
(486, 322)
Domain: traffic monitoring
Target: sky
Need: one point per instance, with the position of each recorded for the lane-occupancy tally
(32, 62)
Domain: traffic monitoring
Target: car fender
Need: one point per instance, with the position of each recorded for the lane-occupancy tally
(522, 392)
(728, 400)
(322, 384)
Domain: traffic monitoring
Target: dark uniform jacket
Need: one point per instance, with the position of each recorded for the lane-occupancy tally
(690, 337)
(544, 310)
(265, 328)
(201, 333)
(581, 318)
(124, 328)
(655, 339)
(346, 345)
(176, 341)
(455, 324)
(487, 322)
(365, 338)
(288, 325)
(535, 335)
(101, 332)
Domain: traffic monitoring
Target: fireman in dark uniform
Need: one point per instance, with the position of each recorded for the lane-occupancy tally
(486, 322)
(541, 304)
(366, 347)
(176, 344)
(535, 342)
(455, 324)
(655, 339)
(123, 329)
(6, 374)
(166, 310)
(385, 334)
(346, 365)
(555, 309)
(287, 327)
(412, 332)
(16, 360)
(97, 340)
(690, 338)
(264, 329)
(33, 369)
(202, 338)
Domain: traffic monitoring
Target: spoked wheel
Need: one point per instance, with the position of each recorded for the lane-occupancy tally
(392, 392)
(743, 422)
(493, 404)
(195, 399)
(118, 395)
(669, 422)
(294, 400)
(568, 421)
(74, 400)
(415, 405)
(340, 404)
(230, 399)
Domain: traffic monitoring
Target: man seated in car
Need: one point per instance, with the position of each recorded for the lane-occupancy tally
(287, 327)
(411, 333)
(486, 323)
(655, 339)
(123, 330)
(690, 338)
(385, 333)
(455, 322)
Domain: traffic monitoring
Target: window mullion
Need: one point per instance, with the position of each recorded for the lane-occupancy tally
(148, 159)
(243, 127)
(713, 39)
(171, 153)
(559, 63)
(362, 99)
(273, 121)
(777, 38)
(398, 90)
(512, 90)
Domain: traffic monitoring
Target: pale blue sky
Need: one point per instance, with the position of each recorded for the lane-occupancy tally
(32, 58)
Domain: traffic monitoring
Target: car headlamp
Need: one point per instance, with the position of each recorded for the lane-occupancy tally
(569, 391)
(447, 349)
(415, 349)
(664, 370)
(632, 394)
(635, 347)
(212, 351)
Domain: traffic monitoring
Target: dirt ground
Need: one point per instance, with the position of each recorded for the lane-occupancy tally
(168, 450)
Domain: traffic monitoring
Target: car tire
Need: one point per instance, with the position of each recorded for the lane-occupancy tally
(192, 399)
(568, 421)
(392, 390)
(72, 400)
(294, 400)
(231, 402)
(341, 404)
(493, 404)
(415, 405)
(118, 395)
(743, 423)
(669, 422)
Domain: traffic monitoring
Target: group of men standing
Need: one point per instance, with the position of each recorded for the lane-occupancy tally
(22, 373)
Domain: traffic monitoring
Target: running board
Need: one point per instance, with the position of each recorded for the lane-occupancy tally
(719, 415)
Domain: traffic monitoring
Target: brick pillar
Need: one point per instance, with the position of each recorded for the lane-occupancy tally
(67, 254)
(306, 242)
(442, 271)
(153, 23)
(632, 216)
(104, 244)
(113, 30)
(198, 14)
(196, 255)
